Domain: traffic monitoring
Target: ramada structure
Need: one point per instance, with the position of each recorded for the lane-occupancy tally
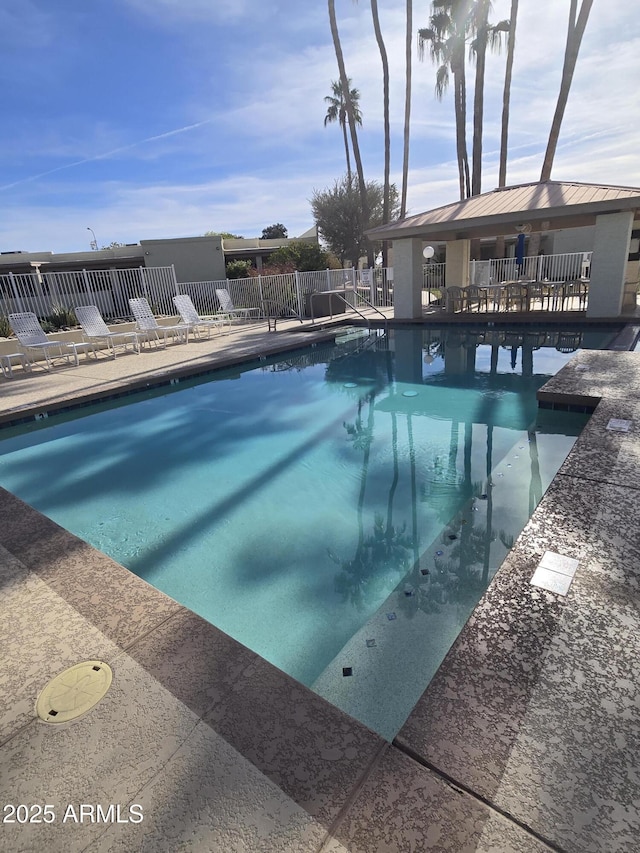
(536, 208)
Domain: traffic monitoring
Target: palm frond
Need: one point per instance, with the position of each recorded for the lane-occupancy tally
(442, 81)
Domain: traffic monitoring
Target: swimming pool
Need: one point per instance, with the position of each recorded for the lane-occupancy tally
(340, 511)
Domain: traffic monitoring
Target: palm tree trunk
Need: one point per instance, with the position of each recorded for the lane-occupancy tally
(506, 102)
(574, 38)
(461, 138)
(387, 126)
(506, 95)
(364, 204)
(346, 151)
(407, 110)
(478, 100)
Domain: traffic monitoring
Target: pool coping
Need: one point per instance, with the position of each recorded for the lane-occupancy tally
(358, 808)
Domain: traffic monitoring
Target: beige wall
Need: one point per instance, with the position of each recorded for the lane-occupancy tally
(407, 279)
(609, 264)
(573, 240)
(457, 269)
(194, 258)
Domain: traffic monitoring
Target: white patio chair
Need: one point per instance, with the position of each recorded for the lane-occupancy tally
(455, 298)
(31, 337)
(148, 324)
(193, 320)
(95, 329)
(227, 307)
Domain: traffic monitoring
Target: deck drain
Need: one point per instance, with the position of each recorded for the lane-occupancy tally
(74, 692)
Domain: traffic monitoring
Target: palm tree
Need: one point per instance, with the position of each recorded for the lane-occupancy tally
(407, 110)
(344, 80)
(485, 35)
(506, 98)
(506, 95)
(385, 98)
(337, 111)
(446, 37)
(574, 38)
(387, 124)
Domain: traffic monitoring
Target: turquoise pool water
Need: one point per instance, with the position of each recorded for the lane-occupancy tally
(340, 511)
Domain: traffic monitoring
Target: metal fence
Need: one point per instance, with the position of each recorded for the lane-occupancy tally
(47, 294)
(292, 290)
(56, 293)
(558, 268)
(433, 276)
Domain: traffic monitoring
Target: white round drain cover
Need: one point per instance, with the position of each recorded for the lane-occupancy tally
(74, 692)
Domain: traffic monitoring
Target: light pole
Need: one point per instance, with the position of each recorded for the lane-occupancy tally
(94, 242)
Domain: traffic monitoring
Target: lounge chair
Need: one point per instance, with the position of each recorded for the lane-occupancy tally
(95, 329)
(148, 324)
(227, 307)
(192, 319)
(31, 337)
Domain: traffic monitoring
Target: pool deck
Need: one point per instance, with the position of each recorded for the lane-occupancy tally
(527, 739)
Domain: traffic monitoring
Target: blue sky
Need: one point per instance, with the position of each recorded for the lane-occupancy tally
(169, 118)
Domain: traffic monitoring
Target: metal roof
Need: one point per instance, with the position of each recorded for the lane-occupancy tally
(543, 206)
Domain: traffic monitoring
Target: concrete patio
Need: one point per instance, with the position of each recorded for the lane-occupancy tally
(527, 739)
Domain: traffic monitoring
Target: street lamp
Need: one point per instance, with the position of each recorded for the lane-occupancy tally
(94, 242)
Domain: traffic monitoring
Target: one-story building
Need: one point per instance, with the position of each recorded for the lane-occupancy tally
(194, 258)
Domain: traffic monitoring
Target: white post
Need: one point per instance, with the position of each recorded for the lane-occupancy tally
(299, 294)
(144, 283)
(87, 286)
(17, 296)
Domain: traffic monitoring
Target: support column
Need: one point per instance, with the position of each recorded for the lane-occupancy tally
(458, 259)
(609, 264)
(407, 279)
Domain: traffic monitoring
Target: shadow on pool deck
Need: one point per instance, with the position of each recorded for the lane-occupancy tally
(527, 739)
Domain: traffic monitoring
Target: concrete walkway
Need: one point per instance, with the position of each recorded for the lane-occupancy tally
(527, 739)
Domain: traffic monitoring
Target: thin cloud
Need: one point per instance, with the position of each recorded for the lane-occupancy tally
(107, 154)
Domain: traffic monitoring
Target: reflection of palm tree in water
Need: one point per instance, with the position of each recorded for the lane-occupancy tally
(387, 546)
(535, 486)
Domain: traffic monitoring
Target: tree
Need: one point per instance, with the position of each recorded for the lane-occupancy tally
(226, 235)
(238, 269)
(301, 256)
(338, 214)
(407, 109)
(337, 111)
(446, 36)
(362, 187)
(272, 232)
(574, 38)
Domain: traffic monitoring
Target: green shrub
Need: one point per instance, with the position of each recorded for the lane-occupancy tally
(238, 269)
(5, 328)
(62, 316)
